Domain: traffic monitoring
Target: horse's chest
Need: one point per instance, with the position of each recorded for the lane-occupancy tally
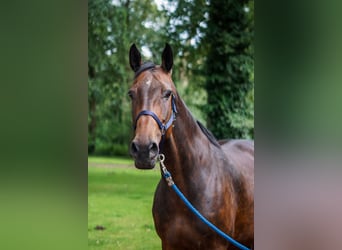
(178, 228)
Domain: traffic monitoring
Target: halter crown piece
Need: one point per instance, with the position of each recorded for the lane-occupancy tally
(143, 67)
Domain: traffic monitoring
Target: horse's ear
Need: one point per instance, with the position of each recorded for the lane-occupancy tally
(167, 58)
(134, 58)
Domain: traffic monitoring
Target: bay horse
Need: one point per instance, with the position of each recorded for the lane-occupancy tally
(216, 177)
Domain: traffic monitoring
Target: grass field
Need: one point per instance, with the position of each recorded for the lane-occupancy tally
(120, 200)
(109, 160)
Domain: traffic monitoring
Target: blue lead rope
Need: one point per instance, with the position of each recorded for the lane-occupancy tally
(168, 178)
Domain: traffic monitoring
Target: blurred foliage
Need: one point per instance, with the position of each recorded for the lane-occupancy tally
(213, 64)
(229, 69)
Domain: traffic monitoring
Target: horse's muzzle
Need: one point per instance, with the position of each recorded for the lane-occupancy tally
(145, 155)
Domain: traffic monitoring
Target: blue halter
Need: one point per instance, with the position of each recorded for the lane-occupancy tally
(162, 126)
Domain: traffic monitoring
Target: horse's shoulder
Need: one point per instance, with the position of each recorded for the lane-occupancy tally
(240, 155)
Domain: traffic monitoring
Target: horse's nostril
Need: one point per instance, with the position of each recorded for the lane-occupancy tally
(150, 150)
(134, 148)
(153, 149)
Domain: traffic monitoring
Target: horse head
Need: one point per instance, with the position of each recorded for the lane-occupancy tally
(153, 106)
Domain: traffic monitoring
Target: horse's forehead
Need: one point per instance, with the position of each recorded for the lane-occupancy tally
(154, 79)
(145, 80)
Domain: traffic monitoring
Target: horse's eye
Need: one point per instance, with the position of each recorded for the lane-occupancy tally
(167, 94)
(130, 94)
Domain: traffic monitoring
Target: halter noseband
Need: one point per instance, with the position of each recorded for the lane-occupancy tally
(162, 126)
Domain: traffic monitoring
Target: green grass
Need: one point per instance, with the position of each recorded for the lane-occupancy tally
(109, 160)
(120, 199)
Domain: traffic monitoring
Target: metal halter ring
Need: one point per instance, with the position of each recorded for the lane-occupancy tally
(161, 157)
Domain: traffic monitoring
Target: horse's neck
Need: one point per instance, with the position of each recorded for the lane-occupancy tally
(186, 148)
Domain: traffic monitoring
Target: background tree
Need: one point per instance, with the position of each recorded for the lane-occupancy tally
(229, 69)
(214, 41)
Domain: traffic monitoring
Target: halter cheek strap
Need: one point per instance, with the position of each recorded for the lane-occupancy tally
(162, 126)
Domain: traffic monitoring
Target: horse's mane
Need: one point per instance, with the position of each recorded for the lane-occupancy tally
(209, 135)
